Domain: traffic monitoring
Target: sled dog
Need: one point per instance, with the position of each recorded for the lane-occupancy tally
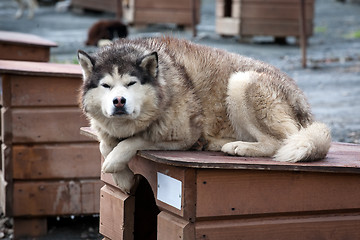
(31, 5)
(170, 94)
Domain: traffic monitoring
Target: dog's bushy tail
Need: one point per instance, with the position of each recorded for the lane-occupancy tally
(308, 144)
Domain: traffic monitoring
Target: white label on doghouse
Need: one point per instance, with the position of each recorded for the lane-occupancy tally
(169, 190)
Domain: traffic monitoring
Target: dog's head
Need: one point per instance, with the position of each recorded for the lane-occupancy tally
(119, 85)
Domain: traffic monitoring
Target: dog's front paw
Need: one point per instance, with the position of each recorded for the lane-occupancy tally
(126, 181)
(234, 148)
(112, 165)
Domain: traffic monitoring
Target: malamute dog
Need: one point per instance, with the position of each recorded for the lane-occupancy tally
(171, 94)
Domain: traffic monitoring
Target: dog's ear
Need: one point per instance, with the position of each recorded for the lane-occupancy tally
(86, 62)
(150, 63)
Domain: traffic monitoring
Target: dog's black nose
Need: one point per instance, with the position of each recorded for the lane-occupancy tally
(119, 102)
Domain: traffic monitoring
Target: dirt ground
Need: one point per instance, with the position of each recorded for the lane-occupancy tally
(331, 81)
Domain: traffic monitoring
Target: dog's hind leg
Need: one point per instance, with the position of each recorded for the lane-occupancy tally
(32, 4)
(259, 117)
(21, 8)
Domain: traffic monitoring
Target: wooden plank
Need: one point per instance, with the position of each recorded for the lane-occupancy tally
(44, 90)
(116, 214)
(29, 227)
(62, 125)
(24, 52)
(24, 39)
(295, 228)
(90, 196)
(161, 16)
(272, 27)
(244, 192)
(40, 68)
(54, 198)
(166, 4)
(104, 5)
(275, 1)
(270, 11)
(227, 26)
(171, 227)
(342, 158)
(56, 161)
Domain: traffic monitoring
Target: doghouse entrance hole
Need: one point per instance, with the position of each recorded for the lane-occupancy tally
(146, 211)
(227, 8)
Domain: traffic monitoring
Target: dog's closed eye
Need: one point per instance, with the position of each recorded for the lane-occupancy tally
(131, 83)
(105, 85)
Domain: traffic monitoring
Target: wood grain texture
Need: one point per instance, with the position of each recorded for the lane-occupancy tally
(40, 69)
(282, 228)
(56, 161)
(41, 125)
(116, 214)
(45, 198)
(24, 52)
(245, 192)
(24, 39)
(104, 5)
(342, 158)
(29, 227)
(172, 227)
(53, 91)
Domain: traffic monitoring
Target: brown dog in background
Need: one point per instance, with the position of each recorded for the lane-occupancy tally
(106, 29)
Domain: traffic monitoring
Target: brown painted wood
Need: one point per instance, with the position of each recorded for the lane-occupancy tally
(24, 47)
(163, 16)
(90, 199)
(244, 192)
(282, 228)
(29, 227)
(44, 91)
(24, 52)
(41, 125)
(44, 198)
(25, 39)
(164, 4)
(269, 10)
(272, 27)
(104, 5)
(117, 214)
(40, 69)
(342, 158)
(172, 227)
(56, 161)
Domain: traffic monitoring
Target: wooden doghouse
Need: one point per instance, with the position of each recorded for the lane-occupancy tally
(147, 11)
(47, 167)
(161, 11)
(24, 47)
(278, 18)
(208, 195)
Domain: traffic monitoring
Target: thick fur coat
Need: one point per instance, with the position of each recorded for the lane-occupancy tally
(171, 94)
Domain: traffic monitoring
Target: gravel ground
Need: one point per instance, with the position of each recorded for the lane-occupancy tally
(331, 81)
